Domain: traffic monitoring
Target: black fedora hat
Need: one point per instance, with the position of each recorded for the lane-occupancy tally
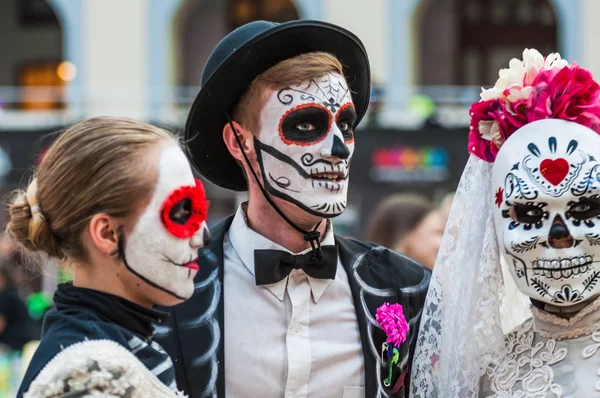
(237, 60)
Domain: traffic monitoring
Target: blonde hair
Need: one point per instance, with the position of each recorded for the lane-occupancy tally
(92, 167)
(289, 72)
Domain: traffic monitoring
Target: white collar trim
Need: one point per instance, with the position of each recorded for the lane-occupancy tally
(245, 240)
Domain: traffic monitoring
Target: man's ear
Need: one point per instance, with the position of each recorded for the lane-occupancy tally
(246, 139)
(104, 233)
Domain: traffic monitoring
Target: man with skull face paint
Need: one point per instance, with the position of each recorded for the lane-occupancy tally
(283, 306)
(531, 193)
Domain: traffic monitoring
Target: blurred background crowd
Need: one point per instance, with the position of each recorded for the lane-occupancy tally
(66, 60)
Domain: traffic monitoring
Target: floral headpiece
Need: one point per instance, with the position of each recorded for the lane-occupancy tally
(532, 89)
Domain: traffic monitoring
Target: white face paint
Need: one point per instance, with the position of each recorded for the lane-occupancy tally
(162, 248)
(306, 142)
(546, 180)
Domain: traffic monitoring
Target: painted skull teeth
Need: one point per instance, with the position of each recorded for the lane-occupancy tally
(563, 268)
(566, 263)
(331, 185)
(331, 176)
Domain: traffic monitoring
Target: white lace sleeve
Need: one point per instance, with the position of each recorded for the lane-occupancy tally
(461, 327)
(97, 368)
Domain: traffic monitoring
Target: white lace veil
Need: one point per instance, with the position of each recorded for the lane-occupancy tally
(461, 329)
(462, 323)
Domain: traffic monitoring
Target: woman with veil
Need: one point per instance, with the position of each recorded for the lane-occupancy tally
(529, 196)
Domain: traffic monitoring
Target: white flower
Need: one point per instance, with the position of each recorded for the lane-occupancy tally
(555, 61)
(488, 129)
(514, 82)
(533, 62)
(519, 94)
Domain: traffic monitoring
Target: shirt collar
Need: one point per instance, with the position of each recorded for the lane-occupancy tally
(245, 240)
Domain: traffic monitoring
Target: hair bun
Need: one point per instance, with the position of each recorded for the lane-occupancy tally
(28, 226)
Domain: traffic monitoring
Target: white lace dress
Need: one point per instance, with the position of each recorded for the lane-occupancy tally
(548, 356)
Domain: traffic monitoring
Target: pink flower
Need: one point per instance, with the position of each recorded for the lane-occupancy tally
(569, 94)
(492, 122)
(533, 89)
(392, 321)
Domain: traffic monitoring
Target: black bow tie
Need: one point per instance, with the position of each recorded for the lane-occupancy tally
(272, 266)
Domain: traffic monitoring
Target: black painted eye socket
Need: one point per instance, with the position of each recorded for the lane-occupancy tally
(344, 126)
(585, 209)
(345, 119)
(181, 211)
(527, 213)
(305, 125)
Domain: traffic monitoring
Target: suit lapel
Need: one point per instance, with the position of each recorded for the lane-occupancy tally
(201, 322)
(221, 308)
(373, 277)
(350, 253)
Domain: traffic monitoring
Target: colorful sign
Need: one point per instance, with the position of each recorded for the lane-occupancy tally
(405, 164)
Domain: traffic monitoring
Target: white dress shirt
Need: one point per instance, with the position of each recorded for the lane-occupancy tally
(295, 338)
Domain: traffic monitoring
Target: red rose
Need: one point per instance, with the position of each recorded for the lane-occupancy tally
(569, 94)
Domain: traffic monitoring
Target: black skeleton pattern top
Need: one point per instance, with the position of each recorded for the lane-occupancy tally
(85, 314)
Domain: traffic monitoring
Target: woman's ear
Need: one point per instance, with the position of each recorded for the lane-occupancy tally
(104, 234)
(246, 140)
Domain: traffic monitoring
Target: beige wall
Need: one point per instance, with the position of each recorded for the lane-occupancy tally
(590, 45)
(368, 20)
(116, 49)
(115, 55)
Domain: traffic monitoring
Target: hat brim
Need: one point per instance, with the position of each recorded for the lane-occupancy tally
(217, 98)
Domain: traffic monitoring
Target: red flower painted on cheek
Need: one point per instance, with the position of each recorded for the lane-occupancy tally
(184, 210)
(499, 197)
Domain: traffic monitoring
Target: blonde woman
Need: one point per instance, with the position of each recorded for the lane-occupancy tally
(116, 199)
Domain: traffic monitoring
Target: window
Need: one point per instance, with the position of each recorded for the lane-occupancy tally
(243, 11)
(41, 86)
(462, 42)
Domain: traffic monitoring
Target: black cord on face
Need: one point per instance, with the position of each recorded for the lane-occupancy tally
(121, 257)
(314, 236)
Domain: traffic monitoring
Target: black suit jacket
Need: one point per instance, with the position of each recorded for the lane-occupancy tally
(194, 336)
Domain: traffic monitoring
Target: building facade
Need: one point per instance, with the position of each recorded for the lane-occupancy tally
(65, 60)
(143, 58)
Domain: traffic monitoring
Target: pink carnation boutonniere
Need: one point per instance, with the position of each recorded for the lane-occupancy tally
(392, 321)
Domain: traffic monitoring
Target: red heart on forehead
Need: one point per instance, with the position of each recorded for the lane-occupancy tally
(554, 170)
